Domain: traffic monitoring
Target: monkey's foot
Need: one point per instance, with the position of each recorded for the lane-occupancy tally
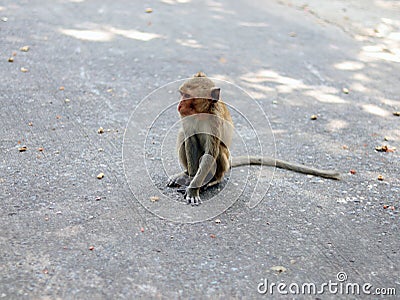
(215, 182)
(180, 179)
(192, 196)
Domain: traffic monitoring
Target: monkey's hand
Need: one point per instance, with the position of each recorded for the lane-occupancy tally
(192, 196)
(180, 179)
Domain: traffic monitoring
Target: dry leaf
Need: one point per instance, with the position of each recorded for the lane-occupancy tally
(384, 148)
(61, 88)
(212, 236)
(353, 172)
(381, 148)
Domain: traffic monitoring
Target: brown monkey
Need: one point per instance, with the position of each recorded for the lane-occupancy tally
(205, 137)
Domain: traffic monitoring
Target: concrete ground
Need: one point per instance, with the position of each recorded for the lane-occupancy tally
(65, 234)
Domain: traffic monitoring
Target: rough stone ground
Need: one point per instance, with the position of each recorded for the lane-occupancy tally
(66, 234)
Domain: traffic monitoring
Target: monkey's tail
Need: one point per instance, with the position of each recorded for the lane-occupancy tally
(268, 161)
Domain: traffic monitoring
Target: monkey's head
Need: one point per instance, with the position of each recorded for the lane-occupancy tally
(198, 95)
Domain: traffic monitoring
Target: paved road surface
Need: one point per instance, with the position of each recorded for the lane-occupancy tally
(66, 234)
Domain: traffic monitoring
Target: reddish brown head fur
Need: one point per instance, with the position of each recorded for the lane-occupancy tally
(197, 95)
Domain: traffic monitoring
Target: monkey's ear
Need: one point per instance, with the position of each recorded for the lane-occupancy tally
(215, 93)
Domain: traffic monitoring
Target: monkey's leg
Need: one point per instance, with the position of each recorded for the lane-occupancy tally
(193, 154)
(182, 178)
(222, 167)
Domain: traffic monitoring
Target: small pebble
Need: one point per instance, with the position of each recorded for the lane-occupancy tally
(24, 49)
(154, 198)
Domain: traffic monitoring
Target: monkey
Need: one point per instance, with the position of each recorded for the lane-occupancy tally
(205, 137)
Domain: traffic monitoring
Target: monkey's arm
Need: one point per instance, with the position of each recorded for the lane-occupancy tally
(268, 161)
(192, 191)
(206, 164)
